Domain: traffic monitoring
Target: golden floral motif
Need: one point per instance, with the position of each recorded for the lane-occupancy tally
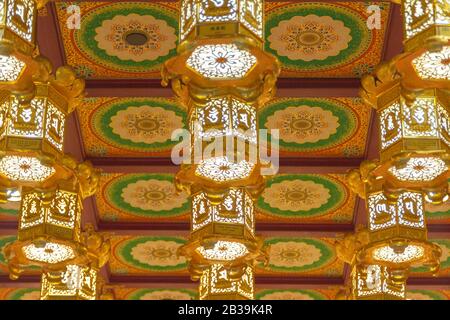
(32, 295)
(296, 195)
(166, 295)
(155, 195)
(287, 295)
(157, 253)
(145, 124)
(135, 37)
(309, 38)
(303, 124)
(293, 254)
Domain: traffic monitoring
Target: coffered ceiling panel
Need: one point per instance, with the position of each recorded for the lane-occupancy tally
(300, 198)
(324, 39)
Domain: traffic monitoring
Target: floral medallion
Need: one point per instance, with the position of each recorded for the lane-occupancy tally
(162, 294)
(145, 124)
(121, 39)
(296, 195)
(309, 38)
(138, 124)
(152, 253)
(301, 195)
(298, 254)
(149, 195)
(303, 124)
(136, 37)
(323, 39)
(289, 295)
(309, 125)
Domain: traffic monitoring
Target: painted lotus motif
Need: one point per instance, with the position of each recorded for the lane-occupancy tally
(160, 253)
(153, 195)
(165, 295)
(136, 37)
(32, 295)
(303, 124)
(145, 124)
(287, 295)
(293, 254)
(309, 37)
(296, 195)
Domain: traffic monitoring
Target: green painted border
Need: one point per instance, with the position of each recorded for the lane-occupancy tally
(444, 264)
(9, 212)
(348, 122)
(313, 294)
(139, 293)
(94, 19)
(125, 253)
(357, 32)
(326, 251)
(101, 119)
(19, 293)
(3, 242)
(337, 196)
(113, 193)
(435, 295)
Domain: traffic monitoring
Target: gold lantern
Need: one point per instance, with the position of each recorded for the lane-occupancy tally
(80, 279)
(17, 43)
(397, 233)
(221, 283)
(425, 19)
(222, 75)
(217, 19)
(414, 133)
(49, 223)
(375, 282)
(74, 283)
(32, 133)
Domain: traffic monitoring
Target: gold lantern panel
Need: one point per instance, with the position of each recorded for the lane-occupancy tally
(405, 218)
(224, 116)
(397, 232)
(202, 19)
(59, 217)
(420, 126)
(223, 232)
(32, 133)
(220, 283)
(233, 216)
(374, 282)
(74, 283)
(425, 19)
(18, 24)
(17, 44)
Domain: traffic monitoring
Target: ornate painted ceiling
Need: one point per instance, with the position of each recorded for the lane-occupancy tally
(125, 124)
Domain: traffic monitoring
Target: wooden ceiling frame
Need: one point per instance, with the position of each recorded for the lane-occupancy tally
(50, 45)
